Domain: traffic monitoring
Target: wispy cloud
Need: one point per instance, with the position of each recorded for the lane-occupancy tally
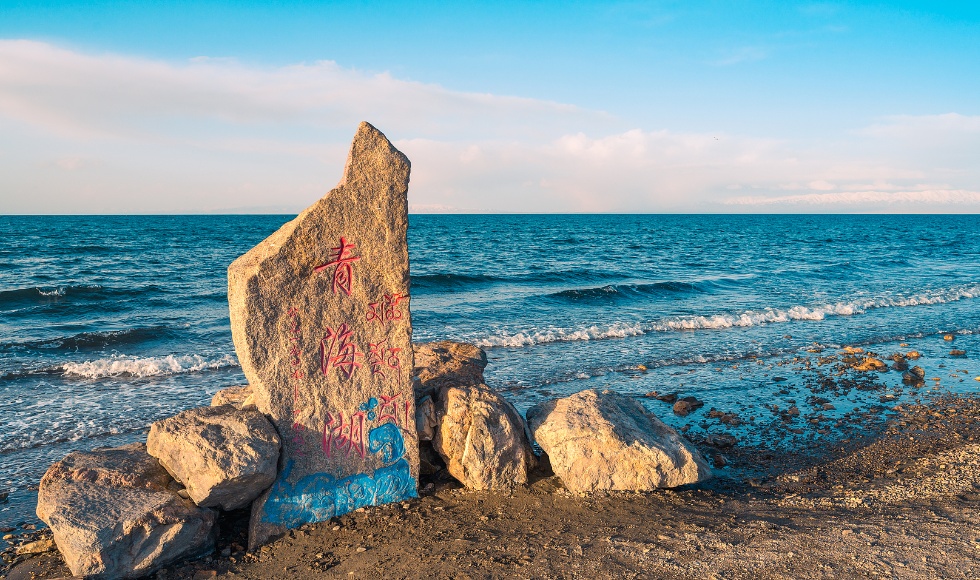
(84, 132)
(932, 197)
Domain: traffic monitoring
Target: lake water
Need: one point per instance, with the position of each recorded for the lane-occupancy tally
(108, 323)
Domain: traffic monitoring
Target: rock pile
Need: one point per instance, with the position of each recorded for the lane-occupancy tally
(341, 410)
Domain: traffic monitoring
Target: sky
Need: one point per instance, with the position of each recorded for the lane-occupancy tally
(121, 107)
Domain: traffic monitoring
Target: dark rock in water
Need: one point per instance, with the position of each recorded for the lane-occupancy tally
(687, 405)
(666, 398)
(900, 365)
(719, 460)
(115, 513)
(918, 372)
(957, 352)
(607, 441)
(321, 323)
(722, 440)
(779, 379)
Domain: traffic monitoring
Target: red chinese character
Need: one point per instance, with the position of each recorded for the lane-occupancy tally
(388, 409)
(343, 271)
(297, 438)
(341, 343)
(386, 310)
(340, 435)
(383, 357)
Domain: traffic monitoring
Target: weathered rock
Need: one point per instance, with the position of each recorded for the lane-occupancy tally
(687, 405)
(37, 547)
(321, 323)
(447, 364)
(114, 513)
(870, 364)
(482, 438)
(607, 441)
(426, 418)
(224, 456)
(237, 396)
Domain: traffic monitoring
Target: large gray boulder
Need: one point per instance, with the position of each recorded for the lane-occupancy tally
(224, 456)
(482, 438)
(115, 513)
(607, 441)
(321, 323)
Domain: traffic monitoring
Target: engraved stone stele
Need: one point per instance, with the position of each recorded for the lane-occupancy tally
(321, 324)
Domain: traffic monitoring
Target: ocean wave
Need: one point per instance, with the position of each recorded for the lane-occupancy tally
(140, 367)
(620, 290)
(619, 330)
(446, 281)
(93, 340)
(724, 320)
(37, 294)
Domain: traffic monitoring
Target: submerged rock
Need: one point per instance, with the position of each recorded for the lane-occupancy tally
(482, 438)
(115, 513)
(224, 456)
(607, 441)
(687, 405)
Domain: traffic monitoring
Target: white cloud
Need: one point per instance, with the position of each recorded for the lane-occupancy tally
(944, 197)
(107, 133)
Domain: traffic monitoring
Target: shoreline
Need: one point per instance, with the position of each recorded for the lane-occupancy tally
(900, 504)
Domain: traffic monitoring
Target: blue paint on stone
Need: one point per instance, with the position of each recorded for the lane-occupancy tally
(320, 496)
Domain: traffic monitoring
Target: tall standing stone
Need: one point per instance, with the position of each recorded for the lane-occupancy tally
(321, 323)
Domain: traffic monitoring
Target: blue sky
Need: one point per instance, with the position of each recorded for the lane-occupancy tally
(131, 107)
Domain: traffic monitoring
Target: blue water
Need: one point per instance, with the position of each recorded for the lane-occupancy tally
(109, 323)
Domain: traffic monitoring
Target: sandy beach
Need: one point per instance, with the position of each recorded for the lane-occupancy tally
(896, 497)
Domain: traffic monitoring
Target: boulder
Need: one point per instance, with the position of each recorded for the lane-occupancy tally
(482, 438)
(237, 396)
(607, 441)
(115, 513)
(224, 456)
(447, 364)
(322, 328)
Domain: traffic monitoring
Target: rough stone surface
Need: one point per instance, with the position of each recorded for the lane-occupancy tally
(240, 396)
(321, 323)
(607, 441)
(224, 456)
(447, 364)
(482, 438)
(115, 513)
(426, 418)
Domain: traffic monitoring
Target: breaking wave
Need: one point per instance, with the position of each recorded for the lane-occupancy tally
(722, 321)
(139, 367)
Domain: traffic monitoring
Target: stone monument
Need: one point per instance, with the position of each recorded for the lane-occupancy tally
(321, 323)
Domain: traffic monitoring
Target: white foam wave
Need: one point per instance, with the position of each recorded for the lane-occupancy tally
(563, 335)
(119, 365)
(742, 319)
